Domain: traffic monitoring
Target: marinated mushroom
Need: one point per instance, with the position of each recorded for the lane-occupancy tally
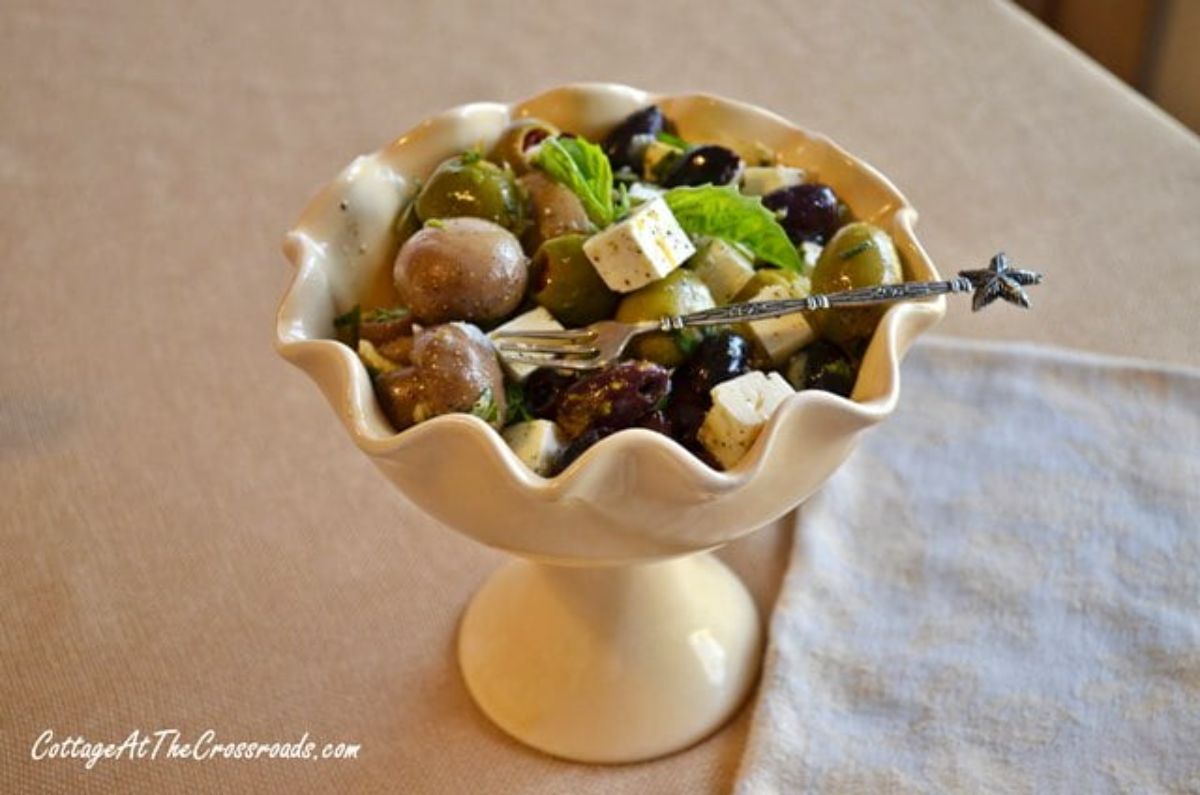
(554, 209)
(461, 269)
(454, 369)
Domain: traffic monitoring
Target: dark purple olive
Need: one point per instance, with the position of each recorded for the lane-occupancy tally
(655, 421)
(544, 390)
(822, 365)
(616, 397)
(685, 413)
(577, 446)
(704, 165)
(626, 144)
(717, 358)
(807, 212)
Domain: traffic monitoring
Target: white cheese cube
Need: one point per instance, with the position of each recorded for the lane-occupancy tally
(656, 153)
(761, 180)
(741, 407)
(643, 248)
(724, 270)
(534, 320)
(810, 252)
(780, 337)
(538, 443)
(642, 192)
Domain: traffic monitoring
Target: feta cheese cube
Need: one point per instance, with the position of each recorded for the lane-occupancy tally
(741, 407)
(761, 180)
(724, 270)
(538, 443)
(643, 248)
(534, 320)
(810, 252)
(780, 337)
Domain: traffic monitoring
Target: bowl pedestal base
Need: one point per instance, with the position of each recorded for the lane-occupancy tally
(611, 663)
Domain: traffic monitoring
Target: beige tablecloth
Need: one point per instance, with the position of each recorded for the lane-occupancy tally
(187, 538)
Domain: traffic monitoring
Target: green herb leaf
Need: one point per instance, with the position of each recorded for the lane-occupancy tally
(485, 407)
(517, 412)
(583, 168)
(346, 326)
(622, 205)
(724, 213)
(672, 140)
(385, 314)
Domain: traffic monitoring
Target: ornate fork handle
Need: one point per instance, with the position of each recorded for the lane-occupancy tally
(758, 310)
(998, 280)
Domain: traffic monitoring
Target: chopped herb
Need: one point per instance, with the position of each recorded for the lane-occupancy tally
(687, 341)
(471, 156)
(516, 410)
(582, 167)
(854, 251)
(622, 205)
(485, 407)
(724, 213)
(435, 223)
(672, 140)
(346, 325)
(385, 314)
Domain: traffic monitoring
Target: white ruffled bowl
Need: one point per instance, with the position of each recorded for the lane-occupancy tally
(635, 497)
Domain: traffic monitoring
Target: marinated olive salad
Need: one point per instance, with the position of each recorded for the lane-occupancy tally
(548, 230)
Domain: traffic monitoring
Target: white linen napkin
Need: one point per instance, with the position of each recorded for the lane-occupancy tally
(999, 591)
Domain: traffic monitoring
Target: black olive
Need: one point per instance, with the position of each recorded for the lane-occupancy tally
(544, 389)
(822, 365)
(704, 165)
(626, 144)
(807, 212)
(578, 445)
(655, 421)
(685, 413)
(717, 358)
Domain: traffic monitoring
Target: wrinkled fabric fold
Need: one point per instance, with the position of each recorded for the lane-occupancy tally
(999, 591)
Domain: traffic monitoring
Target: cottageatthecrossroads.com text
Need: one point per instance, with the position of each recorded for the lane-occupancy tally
(171, 744)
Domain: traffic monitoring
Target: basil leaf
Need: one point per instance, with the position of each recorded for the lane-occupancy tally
(724, 213)
(582, 167)
(672, 140)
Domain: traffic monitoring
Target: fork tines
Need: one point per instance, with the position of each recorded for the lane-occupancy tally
(564, 350)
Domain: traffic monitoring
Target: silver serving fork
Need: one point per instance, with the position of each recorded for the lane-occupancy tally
(600, 344)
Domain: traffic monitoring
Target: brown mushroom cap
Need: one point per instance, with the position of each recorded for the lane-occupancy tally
(554, 209)
(453, 365)
(461, 269)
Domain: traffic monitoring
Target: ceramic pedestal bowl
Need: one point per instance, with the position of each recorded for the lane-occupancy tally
(614, 636)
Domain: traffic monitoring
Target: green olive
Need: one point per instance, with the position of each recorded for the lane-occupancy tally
(566, 283)
(517, 142)
(408, 224)
(766, 277)
(859, 255)
(471, 186)
(678, 294)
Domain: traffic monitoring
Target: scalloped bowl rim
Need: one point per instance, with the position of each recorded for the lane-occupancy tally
(302, 249)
